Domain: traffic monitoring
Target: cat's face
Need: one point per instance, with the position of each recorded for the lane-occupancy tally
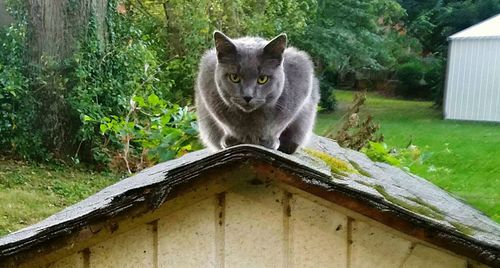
(249, 73)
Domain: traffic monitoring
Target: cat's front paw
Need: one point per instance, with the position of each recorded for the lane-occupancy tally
(288, 147)
(269, 142)
(228, 141)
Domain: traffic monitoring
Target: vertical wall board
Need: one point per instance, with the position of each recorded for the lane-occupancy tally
(473, 83)
(318, 235)
(496, 81)
(71, 261)
(427, 257)
(186, 238)
(254, 226)
(135, 248)
(374, 247)
(450, 80)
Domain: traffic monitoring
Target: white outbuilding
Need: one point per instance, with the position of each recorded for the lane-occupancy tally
(473, 75)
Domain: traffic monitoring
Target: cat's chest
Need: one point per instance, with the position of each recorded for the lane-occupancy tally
(258, 122)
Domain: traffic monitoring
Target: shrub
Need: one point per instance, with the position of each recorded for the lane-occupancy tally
(436, 78)
(411, 76)
(420, 78)
(327, 94)
(13, 83)
(152, 131)
(17, 104)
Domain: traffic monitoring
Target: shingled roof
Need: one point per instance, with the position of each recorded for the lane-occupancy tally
(382, 192)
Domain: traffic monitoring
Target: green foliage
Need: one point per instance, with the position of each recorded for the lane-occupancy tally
(16, 103)
(408, 158)
(379, 152)
(12, 79)
(343, 42)
(104, 80)
(433, 21)
(152, 128)
(326, 89)
(420, 78)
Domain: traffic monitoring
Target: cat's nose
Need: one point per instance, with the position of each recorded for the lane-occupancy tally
(247, 98)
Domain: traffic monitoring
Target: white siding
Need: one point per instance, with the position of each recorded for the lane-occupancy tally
(473, 80)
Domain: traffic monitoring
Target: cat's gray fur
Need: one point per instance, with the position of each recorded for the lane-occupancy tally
(280, 114)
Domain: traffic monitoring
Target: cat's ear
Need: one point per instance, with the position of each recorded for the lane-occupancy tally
(226, 50)
(275, 48)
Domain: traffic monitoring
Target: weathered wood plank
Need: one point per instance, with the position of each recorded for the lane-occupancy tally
(318, 235)
(134, 248)
(186, 238)
(254, 226)
(427, 257)
(374, 247)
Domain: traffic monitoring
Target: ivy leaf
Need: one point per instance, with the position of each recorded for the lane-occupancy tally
(153, 99)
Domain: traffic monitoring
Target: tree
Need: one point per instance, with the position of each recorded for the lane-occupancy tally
(432, 21)
(54, 31)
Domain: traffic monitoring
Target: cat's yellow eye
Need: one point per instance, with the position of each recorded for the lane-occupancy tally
(262, 79)
(235, 78)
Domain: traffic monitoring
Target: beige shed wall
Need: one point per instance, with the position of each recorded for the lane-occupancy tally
(261, 225)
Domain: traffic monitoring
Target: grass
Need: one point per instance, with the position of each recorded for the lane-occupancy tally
(29, 193)
(463, 157)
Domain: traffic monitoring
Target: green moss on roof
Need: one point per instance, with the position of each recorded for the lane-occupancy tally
(360, 169)
(421, 202)
(417, 208)
(464, 229)
(337, 166)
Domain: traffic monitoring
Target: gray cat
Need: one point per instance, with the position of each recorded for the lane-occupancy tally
(250, 90)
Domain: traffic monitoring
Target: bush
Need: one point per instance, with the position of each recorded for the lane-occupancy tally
(420, 78)
(17, 104)
(152, 131)
(12, 81)
(327, 94)
(139, 65)
(436, 77)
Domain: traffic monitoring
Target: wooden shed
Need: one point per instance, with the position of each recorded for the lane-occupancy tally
(248, 206)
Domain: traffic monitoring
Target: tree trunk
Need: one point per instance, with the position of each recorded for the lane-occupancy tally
(55, 28)
(172, 30)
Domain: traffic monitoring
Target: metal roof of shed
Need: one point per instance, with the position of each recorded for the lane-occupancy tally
(382, 192)
(489, 28)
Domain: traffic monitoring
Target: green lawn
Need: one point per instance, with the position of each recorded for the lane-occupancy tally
(465, 157)
(29, 193)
